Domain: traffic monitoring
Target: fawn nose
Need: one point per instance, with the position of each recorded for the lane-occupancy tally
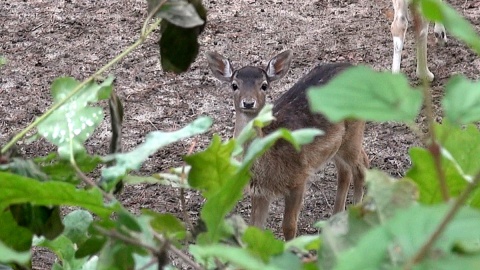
(248, 104)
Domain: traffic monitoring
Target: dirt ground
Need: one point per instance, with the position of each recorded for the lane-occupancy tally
(46, 39)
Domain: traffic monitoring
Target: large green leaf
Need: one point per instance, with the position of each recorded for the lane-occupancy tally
(74, 122)
(462, 100)
(76, 226)
(166, 224)
(65, 249)
(17, 189)
(154, 141)
(363, 93)
(454, 23)
(423, 173)
(12, 235)
(396, 242)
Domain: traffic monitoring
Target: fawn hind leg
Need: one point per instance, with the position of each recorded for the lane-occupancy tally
(259, 214)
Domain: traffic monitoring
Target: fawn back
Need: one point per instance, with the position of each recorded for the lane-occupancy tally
(282, 171)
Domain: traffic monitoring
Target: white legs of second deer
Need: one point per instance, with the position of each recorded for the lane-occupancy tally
(399, 28)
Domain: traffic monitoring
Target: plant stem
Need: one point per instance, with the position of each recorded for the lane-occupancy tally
(150, 16)
(77, 89)
(126, 239)
(179, 253)
(431, 140)
(420, 255)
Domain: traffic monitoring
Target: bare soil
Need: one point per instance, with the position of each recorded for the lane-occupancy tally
(43, 40)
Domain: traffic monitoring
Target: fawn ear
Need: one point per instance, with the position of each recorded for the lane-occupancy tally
(279, 65)
(220, 66)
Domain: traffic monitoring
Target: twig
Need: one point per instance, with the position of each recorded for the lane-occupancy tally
(446, 220)
(432, 146)
(150, 16)
(183, 203)
(179, 253)
(89, 181)
(126, 239)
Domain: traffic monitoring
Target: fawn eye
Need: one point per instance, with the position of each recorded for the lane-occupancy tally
(234, 86)
(264, 86)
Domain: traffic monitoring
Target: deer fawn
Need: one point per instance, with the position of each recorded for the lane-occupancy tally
(399, 28)
(282, 171)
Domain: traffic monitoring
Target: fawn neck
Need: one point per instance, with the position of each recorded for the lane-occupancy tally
(241, 120)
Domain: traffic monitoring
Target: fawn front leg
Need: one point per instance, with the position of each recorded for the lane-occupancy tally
(293, 205)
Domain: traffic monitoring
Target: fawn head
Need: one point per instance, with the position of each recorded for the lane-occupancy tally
(249, 84)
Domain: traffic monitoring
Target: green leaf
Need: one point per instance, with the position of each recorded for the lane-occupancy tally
(401, 237)
(154, 141)
(262, 244)
(72, 124)
(461, 145)
(65, 249)
(17, 189)
(454, 23)
(423, 173)
(62, 170)
(41, 220)
(462, 100)
(360, 92)
(166, 224)
(11, 256)
(180, 13)
(91, 246)
(127, 220)
(12, 235)
(212, 168)
(236, 256)
(178, 47)
(76, 225)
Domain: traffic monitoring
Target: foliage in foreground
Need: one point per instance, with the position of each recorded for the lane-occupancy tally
(427, 220)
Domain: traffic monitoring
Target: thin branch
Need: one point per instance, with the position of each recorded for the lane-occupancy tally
(420, 255)
(79, 87)
(126, 239)
(89, 182)
(150, 16)
(183, 203)
(179, 253)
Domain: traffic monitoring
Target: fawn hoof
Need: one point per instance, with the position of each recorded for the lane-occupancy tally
(427, 73)
(440, 34)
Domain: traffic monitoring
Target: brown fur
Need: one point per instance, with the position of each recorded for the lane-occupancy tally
(282, 171)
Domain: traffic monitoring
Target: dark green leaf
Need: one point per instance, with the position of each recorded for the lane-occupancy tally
(127, 219)
(178, 47)
(12, 235)
(462, 100)
(41, 220)
(360, 92)
(116, 255)
(17, 189)
(167, 224)
(90, 247)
